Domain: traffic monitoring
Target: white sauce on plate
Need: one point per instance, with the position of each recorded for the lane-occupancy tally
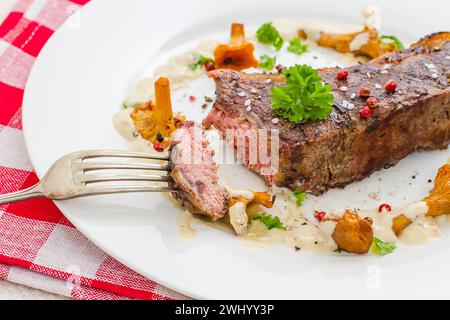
(303, 231)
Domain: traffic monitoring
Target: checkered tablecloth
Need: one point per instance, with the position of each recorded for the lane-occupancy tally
(39, 247)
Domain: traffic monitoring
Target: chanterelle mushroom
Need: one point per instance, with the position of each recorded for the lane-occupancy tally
(238, 53)
(156, 122)
(353, 234)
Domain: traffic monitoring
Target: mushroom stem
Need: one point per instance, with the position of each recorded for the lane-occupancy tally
(438, 201)
(237, 34)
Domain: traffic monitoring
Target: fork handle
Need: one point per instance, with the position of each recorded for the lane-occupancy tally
(25, 194)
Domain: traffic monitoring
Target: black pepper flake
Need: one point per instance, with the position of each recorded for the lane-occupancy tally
(159, 137)
(430, 181)
(208, 99)
(414, 176)
(316, 242)
(304, 224)
(204, 106)
(298, 248)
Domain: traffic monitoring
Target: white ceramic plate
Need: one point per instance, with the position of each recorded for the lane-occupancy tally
(81, 78)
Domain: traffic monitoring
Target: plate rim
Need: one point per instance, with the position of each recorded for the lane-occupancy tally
(33, 159)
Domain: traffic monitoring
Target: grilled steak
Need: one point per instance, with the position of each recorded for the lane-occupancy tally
(319, 155)
(195, 173)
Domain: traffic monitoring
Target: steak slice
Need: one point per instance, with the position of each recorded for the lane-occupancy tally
(195, 173)
(318, 155)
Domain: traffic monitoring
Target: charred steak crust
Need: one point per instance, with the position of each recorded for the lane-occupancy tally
(319, 155)
(197, 183)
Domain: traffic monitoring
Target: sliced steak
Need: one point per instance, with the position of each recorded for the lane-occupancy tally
(195, 173)
(319, 155)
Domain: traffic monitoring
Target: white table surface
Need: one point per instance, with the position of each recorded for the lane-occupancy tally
(8, 290)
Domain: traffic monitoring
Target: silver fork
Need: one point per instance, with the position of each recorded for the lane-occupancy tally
(73, 176)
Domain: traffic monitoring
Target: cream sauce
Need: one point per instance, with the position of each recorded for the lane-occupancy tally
(176, 69)
(300, 234)
(372, 14)
(304, 232)
(184, 226)
(359, 41)
(234, 193)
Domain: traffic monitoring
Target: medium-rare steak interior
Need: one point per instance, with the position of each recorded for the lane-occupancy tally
(411, 88)
(195, 173)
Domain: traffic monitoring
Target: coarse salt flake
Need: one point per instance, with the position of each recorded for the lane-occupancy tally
(343, 88)
(248, 102)
(241, 94)
(275, 120)
(378, 86)
(353, 96)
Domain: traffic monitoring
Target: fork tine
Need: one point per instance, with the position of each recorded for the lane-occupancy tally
(99, 190)
(121, 154)
(123, 177)
(90, 166)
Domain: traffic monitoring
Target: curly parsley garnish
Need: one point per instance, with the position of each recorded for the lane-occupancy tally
(270, 221)
(297, 47)
(199, 62)
(304, 97)
(392, 39)
(381, 247)
(299, 196)
(268, 34)
(266, 62)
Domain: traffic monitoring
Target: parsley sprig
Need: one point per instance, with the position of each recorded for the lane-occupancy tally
(270, 221)
(382, 248)
(200, 61)
(268, 34)
(304, 97)
(299, 196)
(392, 39)
(266, 62)
(297, 47)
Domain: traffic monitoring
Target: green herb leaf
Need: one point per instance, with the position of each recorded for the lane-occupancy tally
(297, 47)
(267, 63)
(304, 97)
(199, 62)
(382, 248)
(270, 221)
(299, 196)
(392, 39)
(268, 34)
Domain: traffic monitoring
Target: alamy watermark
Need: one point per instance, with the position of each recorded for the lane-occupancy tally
(256, 148)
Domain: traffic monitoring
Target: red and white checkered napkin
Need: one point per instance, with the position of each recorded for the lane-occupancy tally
(39, 247)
